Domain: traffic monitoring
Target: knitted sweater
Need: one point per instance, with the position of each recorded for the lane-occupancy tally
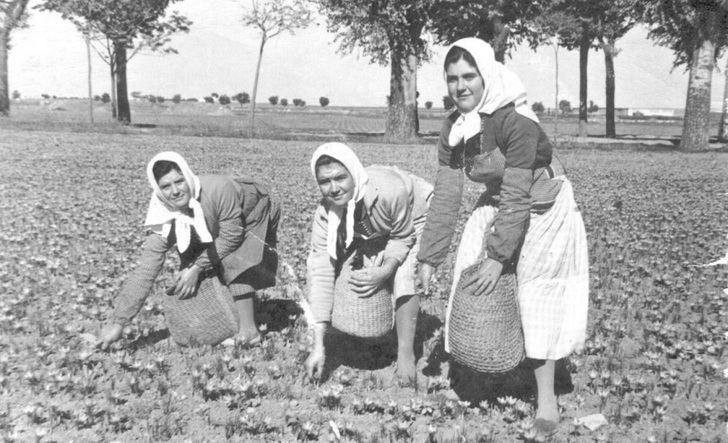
(513, 157)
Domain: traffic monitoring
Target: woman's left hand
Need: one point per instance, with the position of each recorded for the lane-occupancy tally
(367, 280)
(485, 278)
(186, 282)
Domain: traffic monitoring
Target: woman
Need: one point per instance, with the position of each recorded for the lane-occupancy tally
(527, 215)
(218, 225)
(393, 205)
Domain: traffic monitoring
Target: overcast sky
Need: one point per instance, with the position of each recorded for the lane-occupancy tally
(219, 55)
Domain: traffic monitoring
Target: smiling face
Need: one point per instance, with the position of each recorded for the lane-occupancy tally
(336, 183)
(175, 189)
(464, 85)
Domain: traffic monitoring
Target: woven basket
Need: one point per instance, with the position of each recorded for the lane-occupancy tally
(368, 317)
(206, 318)
(485, 331)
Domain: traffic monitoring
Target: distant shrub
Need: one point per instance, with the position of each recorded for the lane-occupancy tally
(593, 107)
(137, 95)
(97, 98)
(176, 98)
(160, 99)
(209, 99)
(223, 100)
(45, 96)
(214, 95)
(191, 99)
(638, 114)
(273, 99)
(537, 107)
(16, 95)
(565, 106)
(242, 98)
(105, 97)
(447, 102)
(428, 105)
(323, 101)
(152, 98)
(284, 102)
(296, 102)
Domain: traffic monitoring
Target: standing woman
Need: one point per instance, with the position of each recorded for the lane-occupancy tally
(526, 218)
(218, 224)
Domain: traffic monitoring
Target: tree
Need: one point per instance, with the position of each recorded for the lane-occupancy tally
(242, 98)
(223, 100)
(176, 99)
(723, 126)
(501, 23)
(12, 14)
(105, 98)
(565, 106)
(126, 27)
(695, 30)
(209, 99)
(271, 18)
(324, 101)
(593, 107)
(389, 32)
(428, 105)
(273, 99)
(537, 107)
(16, 95)
(284, 102)
(447, 102)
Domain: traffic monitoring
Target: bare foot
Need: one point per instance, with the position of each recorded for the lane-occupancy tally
(548, 410)
(406, 372)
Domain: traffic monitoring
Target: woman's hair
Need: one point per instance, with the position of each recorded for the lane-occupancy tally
(455, 54)
(163, 167)
(326, 160)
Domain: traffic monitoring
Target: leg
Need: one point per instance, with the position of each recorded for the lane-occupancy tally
(244, 307)
(407, 308)
(547, 406)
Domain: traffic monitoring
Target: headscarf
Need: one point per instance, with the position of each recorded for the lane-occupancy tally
(351, 162)
(162, 213)
(501, 87)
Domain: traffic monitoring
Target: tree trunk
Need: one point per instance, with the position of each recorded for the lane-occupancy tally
(583, 60)
(112, 80)
(90, 88)
(122, 97)
(4, 94)
(696, 124)
(556, 88)
(609, 52)
(401, 125)
(500, 38)
(251, 131)
(723, 129)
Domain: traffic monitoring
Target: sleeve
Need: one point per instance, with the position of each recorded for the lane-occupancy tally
(138, 283)
(520, 137)
(402, 236)
(231, 226)
(320, 267)
(443, 212)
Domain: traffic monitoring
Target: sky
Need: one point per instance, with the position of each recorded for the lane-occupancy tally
(219, 55)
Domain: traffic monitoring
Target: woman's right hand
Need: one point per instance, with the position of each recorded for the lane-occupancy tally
(315, 362)
(425, 273)
(110, 334)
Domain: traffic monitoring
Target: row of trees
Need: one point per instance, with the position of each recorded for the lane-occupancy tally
(395, 33)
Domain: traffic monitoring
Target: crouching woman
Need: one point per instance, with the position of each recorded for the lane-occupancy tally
(360, 204)
(219, 225)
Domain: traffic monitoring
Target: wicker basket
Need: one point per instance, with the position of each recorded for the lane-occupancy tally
(206, 318)
(485, 332)
(368, 317)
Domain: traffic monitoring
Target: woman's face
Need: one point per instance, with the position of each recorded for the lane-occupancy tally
(336, 183)
(465, 85)
(175, 189)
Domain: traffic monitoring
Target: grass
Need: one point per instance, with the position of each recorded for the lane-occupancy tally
(655, 364)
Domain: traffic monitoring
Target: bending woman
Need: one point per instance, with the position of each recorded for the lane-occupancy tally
(392, 204)
(527, 214)
(218, 224)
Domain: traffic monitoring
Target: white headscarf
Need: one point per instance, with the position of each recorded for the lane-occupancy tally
(501, 87)
(348, 158)
(162, 212)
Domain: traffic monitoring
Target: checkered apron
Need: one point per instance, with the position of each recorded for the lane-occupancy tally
(552, 275)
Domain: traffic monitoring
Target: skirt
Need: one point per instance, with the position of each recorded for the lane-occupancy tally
(552, 275)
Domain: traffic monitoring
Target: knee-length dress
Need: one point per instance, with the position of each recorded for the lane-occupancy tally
(526, 219)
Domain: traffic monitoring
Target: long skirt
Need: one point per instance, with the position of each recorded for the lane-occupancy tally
(552, 275)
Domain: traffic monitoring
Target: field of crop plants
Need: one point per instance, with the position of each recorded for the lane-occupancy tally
(655, 364)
